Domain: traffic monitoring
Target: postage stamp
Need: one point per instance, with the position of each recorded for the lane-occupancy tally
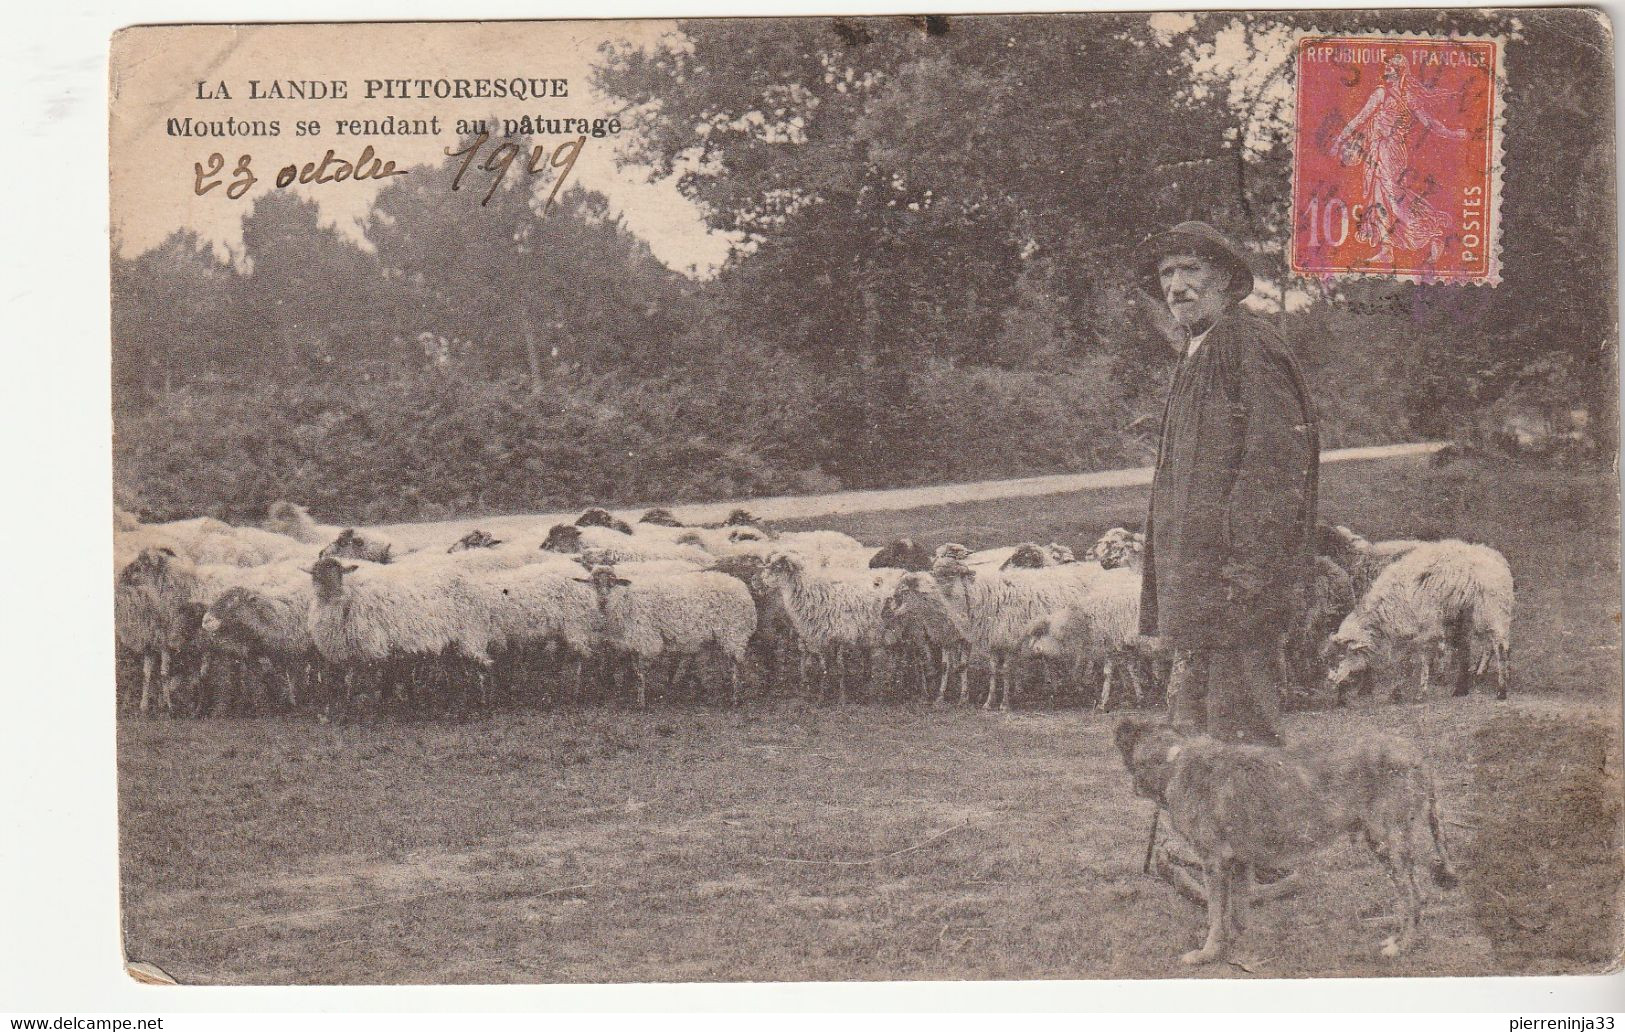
(1397, 168)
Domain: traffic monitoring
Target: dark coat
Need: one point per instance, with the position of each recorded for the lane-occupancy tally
(1229, 533)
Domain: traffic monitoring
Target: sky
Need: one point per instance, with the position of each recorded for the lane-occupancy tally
(155, 72)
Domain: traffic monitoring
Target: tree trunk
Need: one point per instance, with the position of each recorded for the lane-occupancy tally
(533, 355)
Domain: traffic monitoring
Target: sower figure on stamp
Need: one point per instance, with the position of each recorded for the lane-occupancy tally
(1229, 531)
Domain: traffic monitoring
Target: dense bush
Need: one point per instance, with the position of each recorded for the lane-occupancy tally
(430, 444)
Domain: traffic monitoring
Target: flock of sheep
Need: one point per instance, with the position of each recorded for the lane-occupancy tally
(297, 614)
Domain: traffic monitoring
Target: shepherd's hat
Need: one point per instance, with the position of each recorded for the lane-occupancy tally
(1200, 239)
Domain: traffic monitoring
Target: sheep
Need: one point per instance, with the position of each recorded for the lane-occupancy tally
(743, 518)
(352, 544)
(917, 620)
(206, 540)
(284, 517)
(378, 619)
(775, 636)
(1364, 560)
(596, 517)
(681, 614)
(1440, 592)
(479, 551)
(1118, 548)
(902, 554)
(818, 547)
(1028, 555)
(659, 518)
(716, 540)
(474, 539)
(156, 614)
(836, 612)
(1101, 628)
(540, 605)
(1328, 597)
(265, 623)
(620, 548)
(1000, 607)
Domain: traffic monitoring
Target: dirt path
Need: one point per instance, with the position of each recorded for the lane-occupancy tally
(789, 507)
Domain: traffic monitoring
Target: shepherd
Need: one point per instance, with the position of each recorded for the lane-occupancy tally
(1229, 531)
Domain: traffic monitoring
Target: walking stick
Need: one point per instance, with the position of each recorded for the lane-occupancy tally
(1151, 843)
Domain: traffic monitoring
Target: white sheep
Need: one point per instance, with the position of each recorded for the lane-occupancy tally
(156, 612)
(295, 521)
(540, 605)
(651, 615)
(620, 548)
(1119, 547)
(206, 540)
(1365, 560)
(388, 619)
(837, 612)
(1100, 630)
(1000, 607)
(1438, 593)
(265, 622)
(919, 621)
(355, 544)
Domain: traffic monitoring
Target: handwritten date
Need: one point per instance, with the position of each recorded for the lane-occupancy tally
(502, 157)
(331, 169)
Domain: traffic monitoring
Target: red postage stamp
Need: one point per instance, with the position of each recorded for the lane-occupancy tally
(1396, 172)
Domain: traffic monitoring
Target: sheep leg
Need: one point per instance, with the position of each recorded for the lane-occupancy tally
(165, 682)
(840, 675)
(1502, 673)
(995, 671)
(1011, 678)
(1461, 640)
(679, 666)
(1107, 676)
(146, 682)
(964, 679)
(640, 676)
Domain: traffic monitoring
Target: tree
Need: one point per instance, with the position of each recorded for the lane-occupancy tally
(172, 311)
(519, 286)
(312, 292)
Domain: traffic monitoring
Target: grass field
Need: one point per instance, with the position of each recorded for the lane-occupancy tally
(790, 841)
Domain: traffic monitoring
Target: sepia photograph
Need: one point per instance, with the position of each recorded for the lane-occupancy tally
(866, 499)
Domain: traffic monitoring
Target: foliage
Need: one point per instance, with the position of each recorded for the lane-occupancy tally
(935, 279)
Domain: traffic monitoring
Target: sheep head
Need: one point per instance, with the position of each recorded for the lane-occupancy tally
(562, 538)
(1027, 556)
(660, 518)
(149, 567)
(916, 611)
(604, 581)
(327, 575)
(782, 568)
(472, 540)
(1348, 652)
(902, 554)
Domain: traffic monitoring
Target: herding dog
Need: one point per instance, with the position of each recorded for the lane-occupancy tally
(1245, 805)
